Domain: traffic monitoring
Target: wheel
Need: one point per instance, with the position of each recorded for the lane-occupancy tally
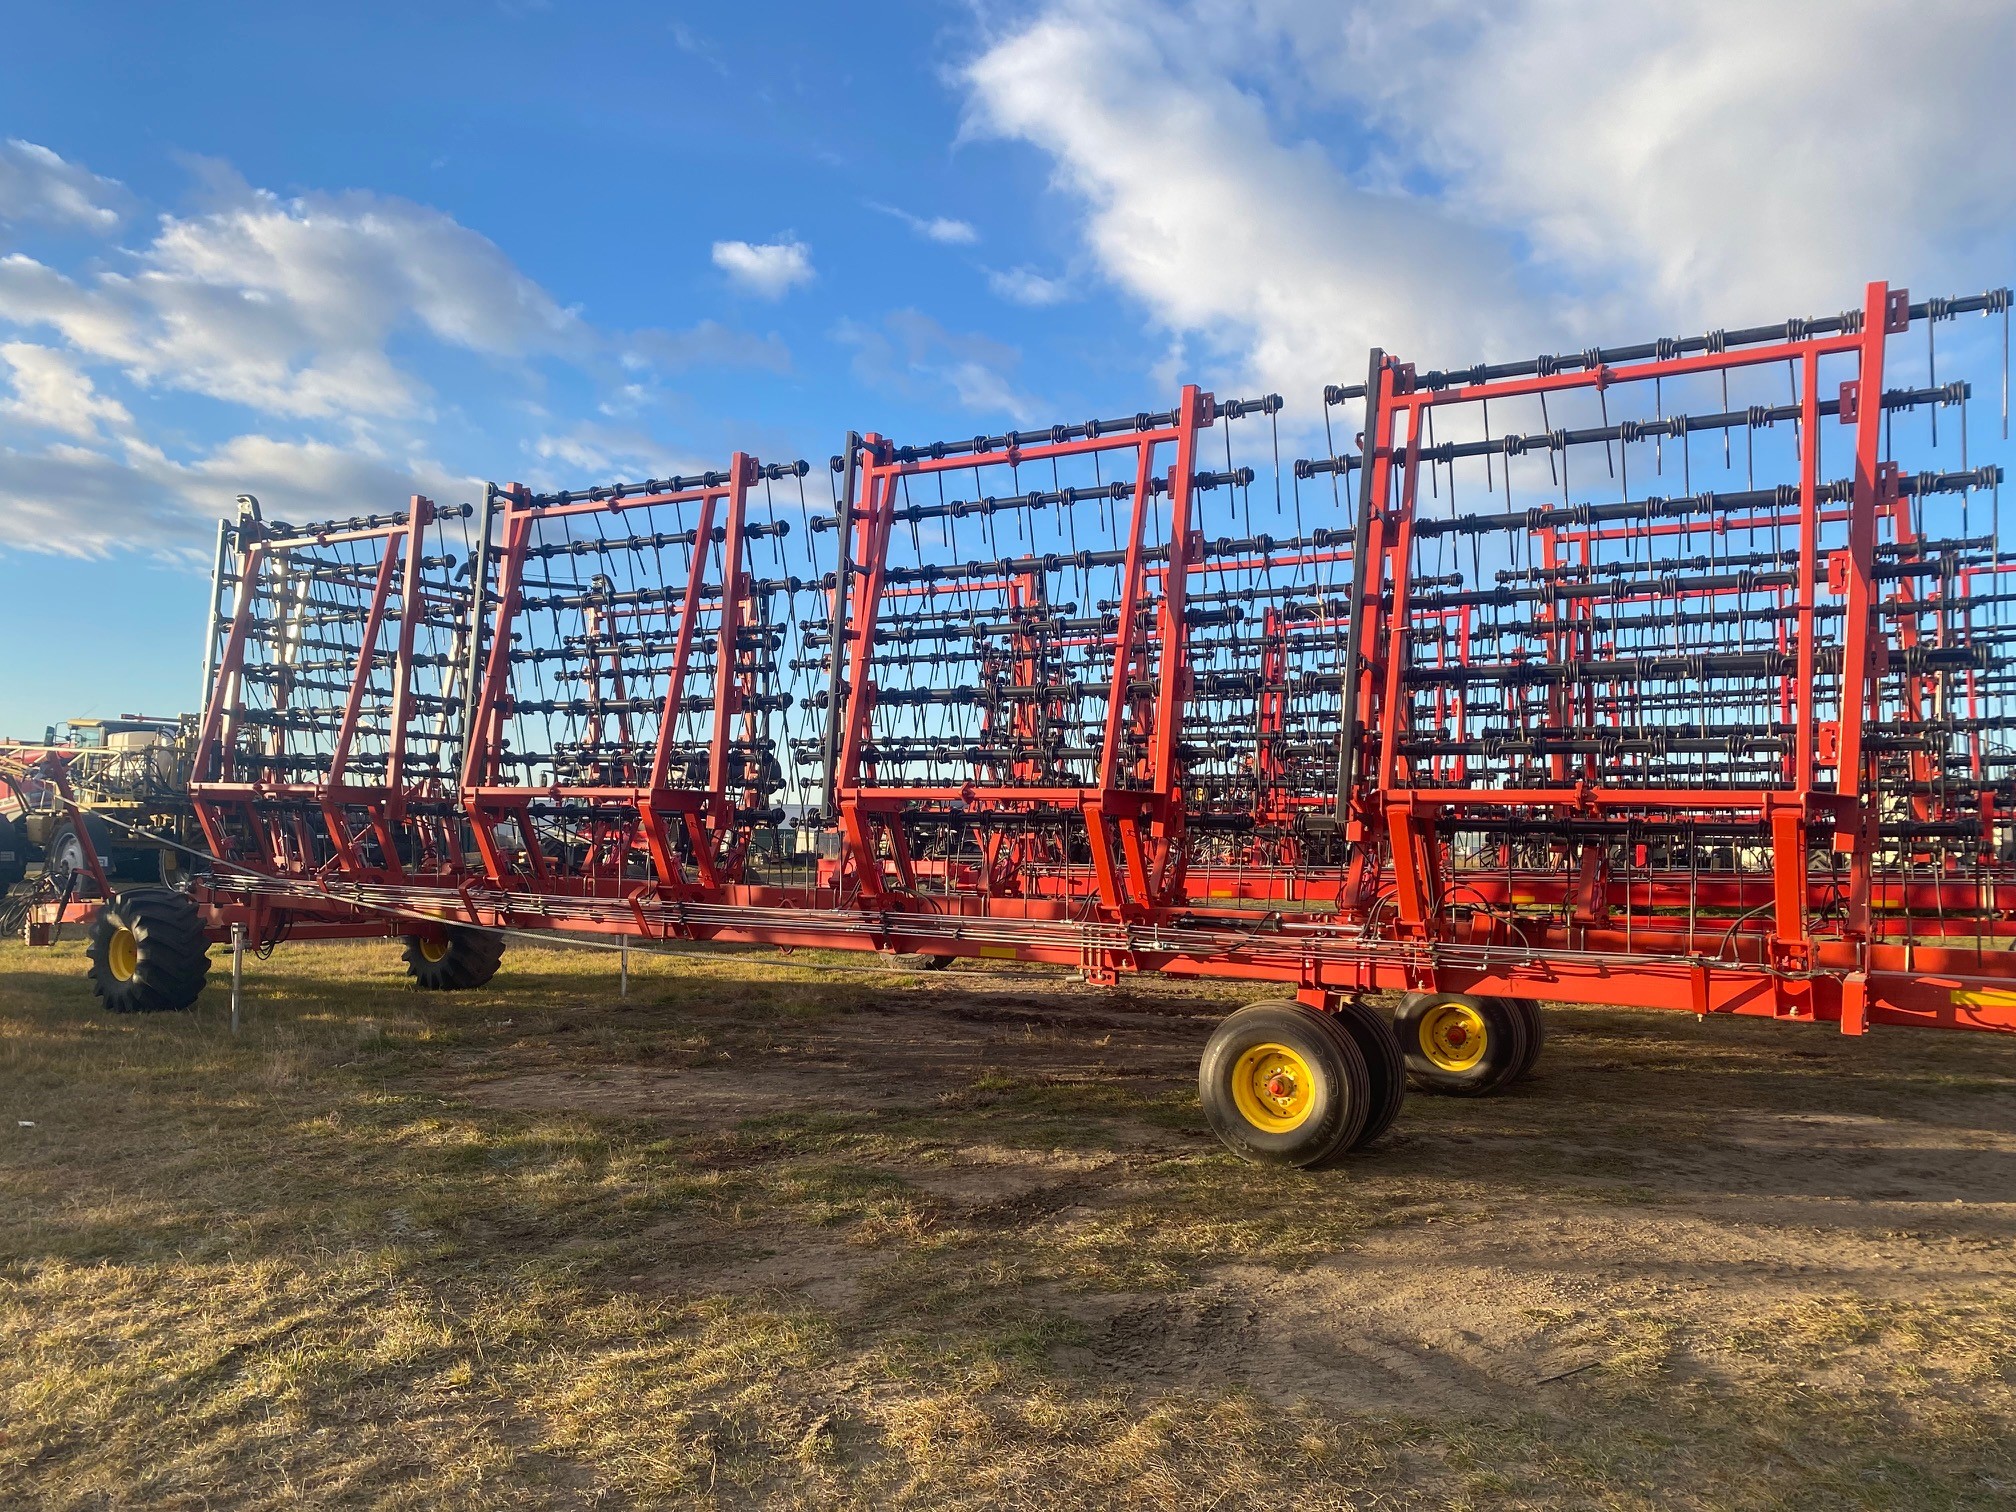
(1385, 1062)
(1536, 1035)
(147, 952)
(13, 851)
(148, 865)
(923, 961)
(1283, 1084)
(1461, 1046)
(63, 859)
(455, 959)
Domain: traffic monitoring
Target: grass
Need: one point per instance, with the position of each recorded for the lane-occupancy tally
(825, 1238)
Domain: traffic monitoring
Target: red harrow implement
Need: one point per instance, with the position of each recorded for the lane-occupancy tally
(623, 744)
(1647, 675)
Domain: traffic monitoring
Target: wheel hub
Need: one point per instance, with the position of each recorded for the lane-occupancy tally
(1453, 1036)
(122, 955)
(1273, 1088)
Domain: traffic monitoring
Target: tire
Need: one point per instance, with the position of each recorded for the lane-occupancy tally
(13, 851)
(1284, 1085)
(148, 953)
(1536, 1036)
(453, 961)
(1462, 1046)
(141, 865)
(63, 856)
(923, 961)
(1383, 1059)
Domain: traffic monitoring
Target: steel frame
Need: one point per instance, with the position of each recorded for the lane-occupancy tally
(645, 797)
(1131, 811)
(1236, 764)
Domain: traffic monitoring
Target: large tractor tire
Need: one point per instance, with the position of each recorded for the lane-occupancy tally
(1285, 1085)
(1458, 1045)
(453, 960)
(148, 953)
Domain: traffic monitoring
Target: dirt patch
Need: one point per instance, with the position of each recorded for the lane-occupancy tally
(1659, 1181)
(737, 1240)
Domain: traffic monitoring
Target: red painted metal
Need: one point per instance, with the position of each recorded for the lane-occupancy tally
(1722, 753)
(621, 740)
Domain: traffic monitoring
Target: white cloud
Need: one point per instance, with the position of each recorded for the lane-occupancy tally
(1025, 286)
(706, 344)
(291, 307)
(910, 353)
(51, 393)
(84, 502)
(694, 45)
(1720, 184)
(603, 454)
(38, 185)
(937, 228)
(294, 309)
(1507, 178)
(771, 269)
(1264, 249)
(288, 307)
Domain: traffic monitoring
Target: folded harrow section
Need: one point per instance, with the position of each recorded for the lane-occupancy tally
(1036, 656)
(331, 730)
(1648, 671)
(627, 720)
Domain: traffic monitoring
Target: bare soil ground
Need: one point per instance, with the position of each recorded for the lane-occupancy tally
(766, 1233)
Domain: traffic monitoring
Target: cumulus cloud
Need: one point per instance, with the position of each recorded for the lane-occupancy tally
(1262, 248)
(88, 502)
(769, 269)
(1284, 183)
(39, 185)
(1719, 180)
(294, 309)
(288, 306)
(938, 228)
(912, 354)
(52, 393)
(1025, 286)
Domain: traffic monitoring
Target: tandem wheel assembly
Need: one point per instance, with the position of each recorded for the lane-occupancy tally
(1286, 1084)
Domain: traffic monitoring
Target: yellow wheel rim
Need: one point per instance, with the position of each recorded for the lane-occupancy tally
(1274, 1088)
(1453, 1036)
(434, 950)
(122, 955)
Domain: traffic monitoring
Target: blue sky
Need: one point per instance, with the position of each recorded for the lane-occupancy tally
(331, 257)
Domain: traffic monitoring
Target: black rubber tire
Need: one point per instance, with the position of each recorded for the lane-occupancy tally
(1341, 1090)
(1504, 1053)
(13, 850)
(64, 854)
(1536, 1035)
(922, 961)
(471, 959)
(1387, 1066)
(169, 960)
(143, 865)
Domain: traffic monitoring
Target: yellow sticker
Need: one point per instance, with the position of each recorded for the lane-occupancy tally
(998, 952)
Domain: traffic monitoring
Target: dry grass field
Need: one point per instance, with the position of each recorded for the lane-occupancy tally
(769, 1235)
